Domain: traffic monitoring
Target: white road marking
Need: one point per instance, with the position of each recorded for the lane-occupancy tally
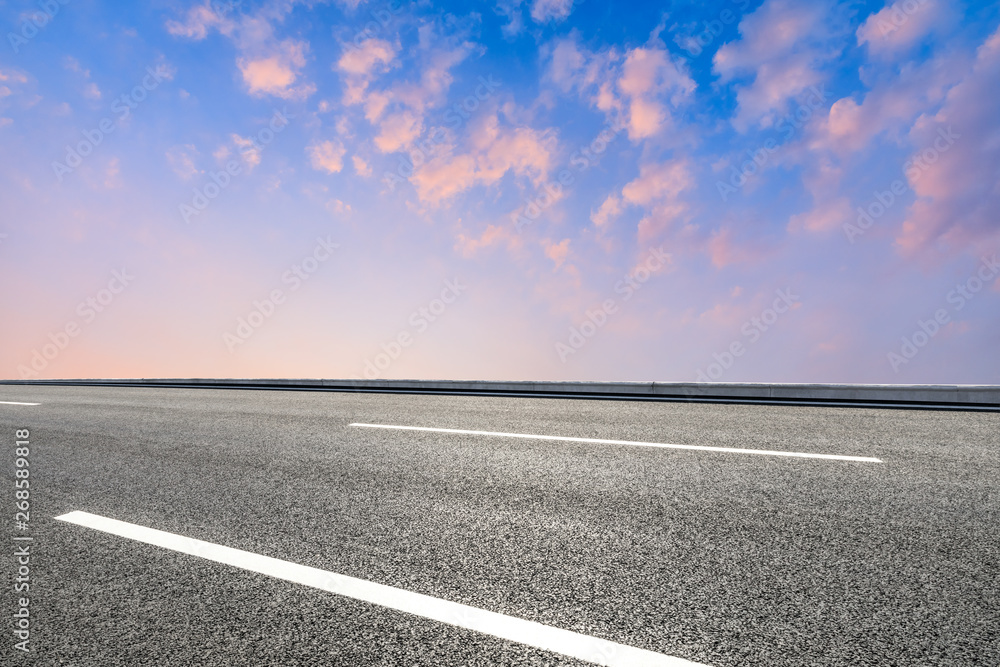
(16, 403)
(701, 448)
(583, 647)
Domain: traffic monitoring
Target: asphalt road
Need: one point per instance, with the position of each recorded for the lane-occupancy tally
(717, 557)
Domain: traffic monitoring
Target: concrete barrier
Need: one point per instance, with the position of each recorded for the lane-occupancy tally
(961, 397)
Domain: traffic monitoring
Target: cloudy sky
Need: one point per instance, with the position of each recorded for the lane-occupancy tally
(547, 189)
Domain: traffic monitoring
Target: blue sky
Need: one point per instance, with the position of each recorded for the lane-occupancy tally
(740, 191)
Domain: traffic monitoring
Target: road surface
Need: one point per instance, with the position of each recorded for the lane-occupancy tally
(878, 548)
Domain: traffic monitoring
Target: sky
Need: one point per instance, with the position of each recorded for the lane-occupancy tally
(776, 191)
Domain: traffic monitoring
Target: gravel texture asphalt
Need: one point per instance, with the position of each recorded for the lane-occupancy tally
(721, 558)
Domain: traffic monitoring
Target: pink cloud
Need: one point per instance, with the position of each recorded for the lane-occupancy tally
(112, 174)
(398, 130)
(657, 188)
(435, 78)
(724, 250)
(494, 150)
(360, 66)
(645, 118)
(276, 73)
(899, 26)
(198, 21)
(523, 150)
(775, 84)
(649, 75)
(770, 32)
(371, 55)
(327, 156)
(824, 217)
(637, 84)
(551, 10)
(953, 172)
(182, 161)
(361, 168)
(441, 179)
(249, 150)
(493, 235)
(784, 45)
(568, 65)
(398, 111)
(892, 104)
(725, 316)
(557, 252)
(955, 328)
(610, 208)
(90, 89)
(337, 207)
(662, 217)
(830, 209)
(268, 67)
(650, 70)
(658, 181)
